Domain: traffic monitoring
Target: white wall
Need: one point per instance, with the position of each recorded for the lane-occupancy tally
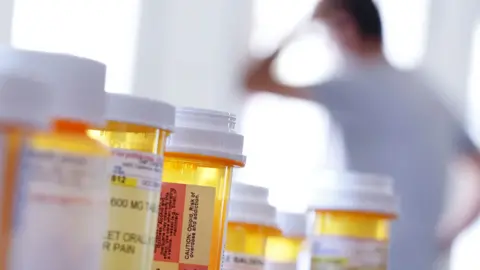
(188, 52)
(449, 47)
(6, 14)
(104, 30)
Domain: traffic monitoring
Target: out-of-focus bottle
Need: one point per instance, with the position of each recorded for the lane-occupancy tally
(349, 221)
(282, 251)
(65, 216)
(199, 160)
(251, 220)
(136, 131)
(24, 111)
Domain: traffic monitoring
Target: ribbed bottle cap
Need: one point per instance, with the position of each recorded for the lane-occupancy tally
(354, 192)
(78, 83)
(249, 204)
(208, 133)
(141, 111)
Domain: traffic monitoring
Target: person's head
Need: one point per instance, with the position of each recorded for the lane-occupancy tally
(355, 25)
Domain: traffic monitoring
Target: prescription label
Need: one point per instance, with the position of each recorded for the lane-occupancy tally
(342, 253)
(134, 197)
(136, 169)
(239, 261)
(270, 265)
(184, 231)
(65, 213)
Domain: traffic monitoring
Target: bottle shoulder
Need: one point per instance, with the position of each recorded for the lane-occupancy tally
(71, 143)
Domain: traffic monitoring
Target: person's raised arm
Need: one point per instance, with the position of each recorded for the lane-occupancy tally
(259, 78)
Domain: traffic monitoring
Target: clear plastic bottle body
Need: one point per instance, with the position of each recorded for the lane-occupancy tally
(129, 242)
(352, 224)
(283, 250)
(248, 239)
(132, 137)
(363, 234)
(211, 178)
(66, 194)
(251, 220)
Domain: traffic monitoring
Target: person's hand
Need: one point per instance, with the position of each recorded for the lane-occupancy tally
(257, 73)
(257, 70)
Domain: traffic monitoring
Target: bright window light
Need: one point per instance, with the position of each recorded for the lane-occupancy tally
(464, 255)
(473, 99)
(101, 30)
(405, 35)
(274, 20)
(285, 140)
(306, 61)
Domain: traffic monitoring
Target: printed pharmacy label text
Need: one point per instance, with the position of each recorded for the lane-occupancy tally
(271, 265)
(184, 231)
(134, 200)
(342, 253)
(239, 261)
(136, 169)
(66, 212)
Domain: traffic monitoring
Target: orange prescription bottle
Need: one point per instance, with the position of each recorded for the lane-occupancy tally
(349, 221)
(199, 160)
(136, 131)
(282, 251)
(251, 220)
(24, 111)
(65, 216)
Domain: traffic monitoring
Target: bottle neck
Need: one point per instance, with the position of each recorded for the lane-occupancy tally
(69, 126)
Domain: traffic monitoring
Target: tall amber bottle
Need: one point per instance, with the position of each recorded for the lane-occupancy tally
(199, 160)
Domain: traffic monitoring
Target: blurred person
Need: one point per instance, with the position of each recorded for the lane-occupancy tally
(393, 123)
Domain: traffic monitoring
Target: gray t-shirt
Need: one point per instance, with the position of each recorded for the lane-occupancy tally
(393, 123)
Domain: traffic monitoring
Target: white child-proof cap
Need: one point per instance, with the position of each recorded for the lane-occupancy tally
(249, 204)
(24, 101)
(292, 224)
(140, 111)
(207, 133)
(78, 83)
(354, 192)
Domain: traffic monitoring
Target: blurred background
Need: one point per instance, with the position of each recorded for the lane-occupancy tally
(190, 53)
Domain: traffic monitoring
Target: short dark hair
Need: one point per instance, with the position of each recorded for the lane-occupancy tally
(364, 13)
